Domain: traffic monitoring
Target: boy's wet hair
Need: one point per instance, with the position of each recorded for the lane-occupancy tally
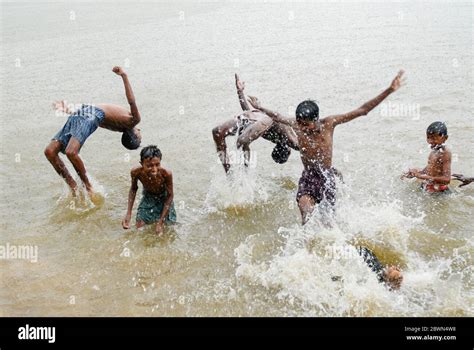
(437, 128)
(130, 140)
(149, 152)
(281, 153)
(308, 111)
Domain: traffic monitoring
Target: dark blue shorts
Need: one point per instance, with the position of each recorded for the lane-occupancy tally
(80, 125)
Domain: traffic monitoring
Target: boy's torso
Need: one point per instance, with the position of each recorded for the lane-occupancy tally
(155, 184)
(117, 118)
(316, 147)
(435, 165)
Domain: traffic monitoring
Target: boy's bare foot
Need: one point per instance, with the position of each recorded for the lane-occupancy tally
(96, 198)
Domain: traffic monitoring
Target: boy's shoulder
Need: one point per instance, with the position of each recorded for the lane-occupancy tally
(166, 172)
(445, 151)
(136, 170)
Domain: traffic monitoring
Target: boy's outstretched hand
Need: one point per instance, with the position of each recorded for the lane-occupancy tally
(254, 102)
(118, 70)
(240, 85)
(411, 173)
(465, 180)
(397, 82)
(126, 222)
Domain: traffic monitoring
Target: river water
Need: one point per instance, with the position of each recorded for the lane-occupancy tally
(239, 249)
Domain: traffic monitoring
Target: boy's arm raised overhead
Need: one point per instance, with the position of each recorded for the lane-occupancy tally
(240, 85)
(168, 201)
(277, 117)
(369, 105)
(130, 97)
(131, 198)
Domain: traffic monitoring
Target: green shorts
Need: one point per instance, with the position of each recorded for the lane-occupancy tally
(151, 207)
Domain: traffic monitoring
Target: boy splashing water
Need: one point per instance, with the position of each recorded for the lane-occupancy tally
(315, 140)
(436, 175)
(156, 205)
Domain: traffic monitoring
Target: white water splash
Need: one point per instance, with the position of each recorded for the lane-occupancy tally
(302, 271)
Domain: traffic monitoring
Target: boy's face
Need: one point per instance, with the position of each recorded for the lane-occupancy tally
(138, 132)
(151, 165)
(435, 139)
(310, 125)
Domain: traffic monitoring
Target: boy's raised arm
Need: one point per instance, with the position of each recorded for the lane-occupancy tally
(131, 199)
(130, 97)
(277, 117)
(240, 85)
(369, 105)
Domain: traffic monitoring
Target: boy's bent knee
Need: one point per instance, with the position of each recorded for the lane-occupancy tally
(71, 153)
(51, 152)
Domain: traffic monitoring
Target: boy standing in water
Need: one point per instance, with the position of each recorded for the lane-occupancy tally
(82, 123)
(436, 175)
(315, 139)
(157, 204)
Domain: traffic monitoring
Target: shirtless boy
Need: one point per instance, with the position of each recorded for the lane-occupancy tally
(82, 123)
(156, 205)
(436, 175)
(315, 140)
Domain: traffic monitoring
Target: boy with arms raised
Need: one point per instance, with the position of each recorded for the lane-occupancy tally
(315, 140)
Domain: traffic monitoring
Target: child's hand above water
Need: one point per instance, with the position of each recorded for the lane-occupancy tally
(118, 70)
(407, 174)
(465, 180)
(240, 85)
(254, 102)
(397, 82)
(411, 173)
(126, 222)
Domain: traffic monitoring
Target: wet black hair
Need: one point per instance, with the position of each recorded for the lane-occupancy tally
(437, 128)
(307, 110)
(130, 140)
(281, 153)
(149, 152)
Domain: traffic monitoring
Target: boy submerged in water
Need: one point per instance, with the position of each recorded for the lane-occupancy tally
(315, 139)
(436, 175)
(390, 275)
(157, 204)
